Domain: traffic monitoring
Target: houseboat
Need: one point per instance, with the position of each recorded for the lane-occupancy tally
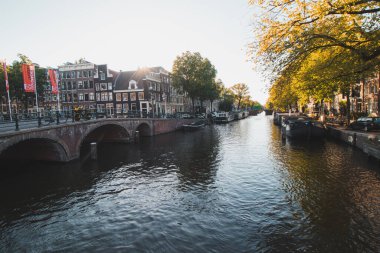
(224, 117)
(302, 127)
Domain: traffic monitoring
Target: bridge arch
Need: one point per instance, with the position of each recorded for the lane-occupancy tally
(144, 129)
(44, 148)
(104, 132)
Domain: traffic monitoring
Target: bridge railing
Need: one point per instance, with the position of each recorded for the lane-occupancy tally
(26, 120)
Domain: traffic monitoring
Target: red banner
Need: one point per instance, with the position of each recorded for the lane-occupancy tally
(29, 77)
(53, 81)
(6, 76)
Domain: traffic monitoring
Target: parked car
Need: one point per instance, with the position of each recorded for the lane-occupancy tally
(366, 124)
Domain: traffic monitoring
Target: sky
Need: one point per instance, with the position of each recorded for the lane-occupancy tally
(129, 34)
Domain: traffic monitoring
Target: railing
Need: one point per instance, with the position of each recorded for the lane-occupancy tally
(28, 120)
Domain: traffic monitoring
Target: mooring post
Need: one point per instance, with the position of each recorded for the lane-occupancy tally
(94, 150)
(137, 136)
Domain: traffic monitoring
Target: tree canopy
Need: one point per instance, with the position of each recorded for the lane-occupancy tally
(314, 48)
(194, 75)
(240, 91)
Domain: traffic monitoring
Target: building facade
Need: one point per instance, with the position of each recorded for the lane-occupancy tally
(146, 91)
(104, 79)
(77, 85)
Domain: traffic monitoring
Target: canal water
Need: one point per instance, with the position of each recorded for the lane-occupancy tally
(226, 188)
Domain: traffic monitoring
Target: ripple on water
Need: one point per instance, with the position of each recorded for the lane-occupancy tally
(227, 188)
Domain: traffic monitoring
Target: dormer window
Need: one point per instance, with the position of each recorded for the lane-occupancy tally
(132, 85)
(102, 76)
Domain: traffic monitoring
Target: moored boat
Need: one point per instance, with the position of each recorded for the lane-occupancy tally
(224, 117)
(302, 127)
(268, 112)
(194, 125)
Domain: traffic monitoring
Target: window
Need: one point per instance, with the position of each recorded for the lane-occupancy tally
(125, 108)
(90, 74)
(85, 73)
(91, 96)
(133, 107)
(101, 108)
(109, 86)
(86, 98)
(80, 85)
(103, 86)
(125, 96)
(118, 108)
(141, 95)
(74, 85)
(81, 97)
(118, 96)
(102, 76)
(97, 87)
(75, 97)
(85, 84)
(91, 84)
(104, 96)
(133, 96)
(63, 85)
(72, 74)
(97, 96)
(132, 85)
(110, 96)
(69, 85)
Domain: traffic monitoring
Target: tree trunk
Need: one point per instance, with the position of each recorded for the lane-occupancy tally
(192, 101)
(211, 105)
(348, 107)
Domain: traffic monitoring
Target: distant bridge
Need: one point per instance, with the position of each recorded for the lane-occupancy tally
(64, 142)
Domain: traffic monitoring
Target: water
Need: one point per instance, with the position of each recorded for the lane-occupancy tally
(227, 188)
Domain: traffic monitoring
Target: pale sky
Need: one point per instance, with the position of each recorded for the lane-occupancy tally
(131, 34)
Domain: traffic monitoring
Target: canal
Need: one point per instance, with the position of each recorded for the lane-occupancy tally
(226, 188)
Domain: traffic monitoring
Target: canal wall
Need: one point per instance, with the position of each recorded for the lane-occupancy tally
(163, 126)
(369, 143)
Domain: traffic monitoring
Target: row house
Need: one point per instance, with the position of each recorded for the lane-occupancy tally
(104, 81)
(89, 86)
(77, 85)
(370, 94)
(146, 91)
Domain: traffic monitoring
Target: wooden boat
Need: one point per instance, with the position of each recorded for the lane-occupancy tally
(224, 117)
(194, 126)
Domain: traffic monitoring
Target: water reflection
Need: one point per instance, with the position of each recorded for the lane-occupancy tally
(335, 189)
(227, 188)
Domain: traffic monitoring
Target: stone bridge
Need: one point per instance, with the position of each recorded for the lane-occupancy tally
(64, 142)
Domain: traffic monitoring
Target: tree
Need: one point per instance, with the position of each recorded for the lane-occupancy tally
(288, 31)
(191, 74)
(213, 91)
(16, 83)
(240, 90)
(227, 100)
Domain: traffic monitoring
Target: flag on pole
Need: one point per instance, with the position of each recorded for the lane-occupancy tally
(53, 81)
(6, 76)
(28, 75)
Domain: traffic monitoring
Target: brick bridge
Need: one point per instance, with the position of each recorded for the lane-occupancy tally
(64, 142)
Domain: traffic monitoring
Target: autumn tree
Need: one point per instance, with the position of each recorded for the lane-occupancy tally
(240, 91)
(287, 32)
(191, 74)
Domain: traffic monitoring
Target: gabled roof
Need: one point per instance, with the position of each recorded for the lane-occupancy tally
(124, 77)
